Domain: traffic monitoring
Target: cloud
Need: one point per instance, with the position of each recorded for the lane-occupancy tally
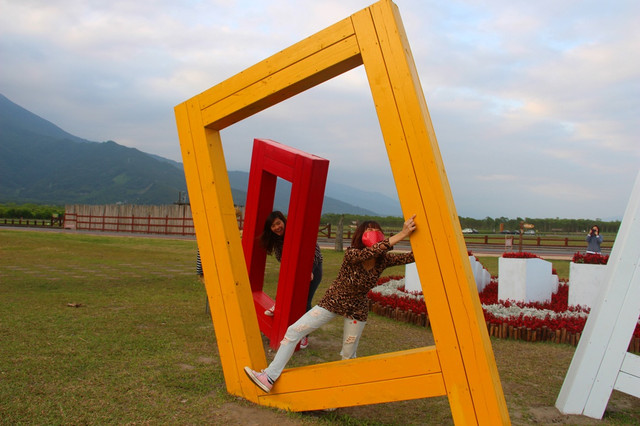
(498, 178)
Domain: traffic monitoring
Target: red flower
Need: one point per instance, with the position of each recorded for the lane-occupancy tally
(592, 259)
(520, 255)
(489, 296)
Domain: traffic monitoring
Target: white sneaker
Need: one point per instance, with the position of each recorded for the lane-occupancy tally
(269, 312)
(260, 379)
(304, 342)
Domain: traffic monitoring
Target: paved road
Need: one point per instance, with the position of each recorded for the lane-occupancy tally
(559, 252)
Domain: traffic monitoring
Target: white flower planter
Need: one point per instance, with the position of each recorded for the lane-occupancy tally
(525, 280)
(585, 283)
(555, 283)
(480, 274)
(411, 278)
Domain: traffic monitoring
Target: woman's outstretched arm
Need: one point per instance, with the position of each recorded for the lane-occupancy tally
(407, 228)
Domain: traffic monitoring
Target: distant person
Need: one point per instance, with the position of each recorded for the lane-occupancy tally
(594, 239)
(199, 272)
(272, 240)
(362, 265)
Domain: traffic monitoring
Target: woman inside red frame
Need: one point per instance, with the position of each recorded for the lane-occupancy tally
(362, 265)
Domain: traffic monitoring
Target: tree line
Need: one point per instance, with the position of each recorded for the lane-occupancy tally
(545, 225)
(488, 224)
(29, 211)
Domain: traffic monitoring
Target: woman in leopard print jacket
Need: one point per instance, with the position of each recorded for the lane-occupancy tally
(363, 263)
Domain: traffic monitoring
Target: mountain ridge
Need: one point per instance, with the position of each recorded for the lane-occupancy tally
(42, 163)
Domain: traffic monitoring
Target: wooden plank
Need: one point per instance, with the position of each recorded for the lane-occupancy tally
(219, 243)
(366, 393)
(223, 334)
(306, 172)
(628, 384)
(305, 209)
(412, 201)
(603, 346)
(374, 36)
(259, 204)
(412, 362)
(472, 338)
(628, 380)
(411, 144)
(297, 52)
(631, 364)
(291, 80)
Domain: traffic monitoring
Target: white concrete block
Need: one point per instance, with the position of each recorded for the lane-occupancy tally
(479, 273)
(525, 280)
(555, 283)
(411, 278)
(586, 282)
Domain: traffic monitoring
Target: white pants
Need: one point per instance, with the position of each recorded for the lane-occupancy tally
(309, 322)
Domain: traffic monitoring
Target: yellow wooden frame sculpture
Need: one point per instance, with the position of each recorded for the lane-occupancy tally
(461, 364)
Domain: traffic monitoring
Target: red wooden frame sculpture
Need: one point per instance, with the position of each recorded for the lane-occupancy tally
(307, 174)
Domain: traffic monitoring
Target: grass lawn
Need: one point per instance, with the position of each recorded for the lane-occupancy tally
(102, 329)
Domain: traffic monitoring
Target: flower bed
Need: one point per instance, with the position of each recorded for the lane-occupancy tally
(520, 255)
(592, 259)
(552, 321)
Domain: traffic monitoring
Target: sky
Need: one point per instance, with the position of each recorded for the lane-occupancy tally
(535, 105)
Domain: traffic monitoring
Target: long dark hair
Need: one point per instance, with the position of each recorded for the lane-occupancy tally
(356, 241)
(268, 239)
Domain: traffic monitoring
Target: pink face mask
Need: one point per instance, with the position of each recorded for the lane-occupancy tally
(369, 238)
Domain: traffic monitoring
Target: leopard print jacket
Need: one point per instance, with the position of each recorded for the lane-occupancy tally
(347, 295)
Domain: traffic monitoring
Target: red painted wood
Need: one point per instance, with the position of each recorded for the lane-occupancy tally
(307, 174)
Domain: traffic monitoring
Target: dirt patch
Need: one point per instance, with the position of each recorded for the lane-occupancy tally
(551, 415)
(253, 415)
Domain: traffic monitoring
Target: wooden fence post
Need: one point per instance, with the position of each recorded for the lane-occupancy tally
(338, 244)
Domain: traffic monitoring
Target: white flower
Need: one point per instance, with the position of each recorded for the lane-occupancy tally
(514, 311)
(392, 288)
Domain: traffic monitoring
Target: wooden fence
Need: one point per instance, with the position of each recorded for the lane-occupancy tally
(176, 219)
(54, 222)
(173, 219)
(577, 242)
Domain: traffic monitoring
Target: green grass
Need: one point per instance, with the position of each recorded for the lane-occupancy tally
(140, 348)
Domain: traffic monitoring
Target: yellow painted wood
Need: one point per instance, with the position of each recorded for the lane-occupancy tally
(461, 365)
(292, 71)
(458, 278)
(461, 331)
(218, 241)
(366, 393)
(275, 63)
(376, 368)
(389, 377)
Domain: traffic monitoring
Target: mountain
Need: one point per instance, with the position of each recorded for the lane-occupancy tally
(382, 204)
(15, 118)
(41, 163)
(239, 182)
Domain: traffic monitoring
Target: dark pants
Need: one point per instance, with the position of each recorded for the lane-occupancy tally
(315, 282)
